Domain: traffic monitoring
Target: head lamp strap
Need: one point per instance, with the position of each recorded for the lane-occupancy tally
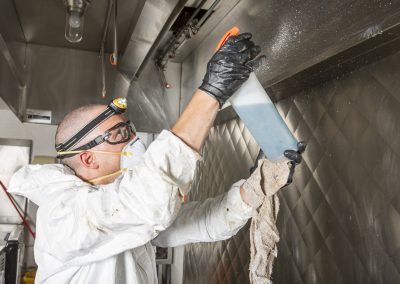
(116, 106)
(123, 153)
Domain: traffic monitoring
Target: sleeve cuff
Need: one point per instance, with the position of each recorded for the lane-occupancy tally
(237, 207)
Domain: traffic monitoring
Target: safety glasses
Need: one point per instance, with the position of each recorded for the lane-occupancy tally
(120, 133)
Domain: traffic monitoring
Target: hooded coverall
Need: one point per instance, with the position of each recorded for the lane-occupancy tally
(106, 233)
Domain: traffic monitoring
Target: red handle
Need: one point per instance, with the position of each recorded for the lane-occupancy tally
(26, 224)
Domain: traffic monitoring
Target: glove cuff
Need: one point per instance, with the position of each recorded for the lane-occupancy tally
(215, 93)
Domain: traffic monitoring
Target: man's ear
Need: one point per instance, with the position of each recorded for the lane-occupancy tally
(88, 160)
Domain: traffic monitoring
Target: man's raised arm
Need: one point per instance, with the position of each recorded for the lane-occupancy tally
(227, 70)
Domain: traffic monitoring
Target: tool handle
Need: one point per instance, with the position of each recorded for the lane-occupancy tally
(232, 32)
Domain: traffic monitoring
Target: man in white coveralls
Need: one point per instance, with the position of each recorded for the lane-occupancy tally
(97, 220)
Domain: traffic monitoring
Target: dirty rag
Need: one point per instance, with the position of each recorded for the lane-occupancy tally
(263, 184)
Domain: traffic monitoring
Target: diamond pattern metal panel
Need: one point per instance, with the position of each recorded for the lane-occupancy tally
(227, 155)
(340, 221)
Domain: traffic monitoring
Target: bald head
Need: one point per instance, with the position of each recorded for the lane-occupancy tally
(75, 121)
(91, 164)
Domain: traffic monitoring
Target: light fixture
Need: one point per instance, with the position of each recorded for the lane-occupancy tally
(75, 19)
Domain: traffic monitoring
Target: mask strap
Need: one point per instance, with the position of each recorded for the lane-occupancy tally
(109, 175)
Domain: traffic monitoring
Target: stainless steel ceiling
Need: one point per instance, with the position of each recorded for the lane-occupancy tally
(60, 76)
(10, 25)
(43, 22)
(295, 35)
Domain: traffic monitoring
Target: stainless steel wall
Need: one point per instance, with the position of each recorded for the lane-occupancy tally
(340, 220)
(61, 79)
(10, 90)
(227, 155)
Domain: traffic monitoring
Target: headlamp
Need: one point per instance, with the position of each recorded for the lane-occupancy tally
(119, 105)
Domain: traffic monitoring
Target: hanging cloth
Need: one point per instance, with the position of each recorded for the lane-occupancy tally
(263, 184)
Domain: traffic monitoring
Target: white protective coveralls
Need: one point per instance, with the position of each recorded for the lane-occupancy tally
(103, 234)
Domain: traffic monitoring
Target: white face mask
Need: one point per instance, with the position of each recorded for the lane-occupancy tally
(131, 155)
(137, 149)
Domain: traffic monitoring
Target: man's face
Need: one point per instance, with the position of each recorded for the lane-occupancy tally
(108, 163)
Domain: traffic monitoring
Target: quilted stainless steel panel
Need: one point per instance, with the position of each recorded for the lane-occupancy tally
(227, 154)
(340, 221)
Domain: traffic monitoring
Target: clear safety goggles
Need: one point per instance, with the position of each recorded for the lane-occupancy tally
(120, 133)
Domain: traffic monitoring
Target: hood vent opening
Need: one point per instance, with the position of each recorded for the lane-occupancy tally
(185, 27)
(184, 17)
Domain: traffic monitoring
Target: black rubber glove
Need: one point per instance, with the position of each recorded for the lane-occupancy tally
(230, 67)
(295, 158)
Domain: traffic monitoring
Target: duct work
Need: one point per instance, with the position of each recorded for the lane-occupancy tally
(331, 70)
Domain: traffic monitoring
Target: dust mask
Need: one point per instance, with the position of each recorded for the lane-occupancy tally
(136, 148)
(131, 155)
